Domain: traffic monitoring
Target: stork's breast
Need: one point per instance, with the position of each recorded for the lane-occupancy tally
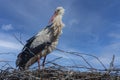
(53, 46)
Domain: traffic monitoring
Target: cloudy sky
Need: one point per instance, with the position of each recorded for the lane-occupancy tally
(91, 26)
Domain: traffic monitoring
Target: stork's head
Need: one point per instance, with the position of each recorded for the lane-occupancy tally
(58, 12)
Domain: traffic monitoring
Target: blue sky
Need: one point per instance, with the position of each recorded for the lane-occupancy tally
(91, 26)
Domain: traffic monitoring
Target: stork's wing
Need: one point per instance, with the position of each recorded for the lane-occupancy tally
(29, 41)
(43, 37)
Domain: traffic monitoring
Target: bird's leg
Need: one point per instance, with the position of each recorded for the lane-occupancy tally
(43, 64)
(39, 62)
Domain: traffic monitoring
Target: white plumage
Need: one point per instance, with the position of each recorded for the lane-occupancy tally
(43, 43)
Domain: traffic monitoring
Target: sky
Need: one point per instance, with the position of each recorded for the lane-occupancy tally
(91, 26)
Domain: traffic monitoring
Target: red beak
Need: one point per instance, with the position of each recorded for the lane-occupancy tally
(52, 18)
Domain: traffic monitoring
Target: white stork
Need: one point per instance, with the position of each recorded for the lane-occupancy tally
(43, 43)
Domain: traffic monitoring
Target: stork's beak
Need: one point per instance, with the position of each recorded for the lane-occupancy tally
(52, 18)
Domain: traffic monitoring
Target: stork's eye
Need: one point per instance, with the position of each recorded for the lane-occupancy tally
(58, 10)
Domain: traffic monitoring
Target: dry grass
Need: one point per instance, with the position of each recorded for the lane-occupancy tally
(53, 73)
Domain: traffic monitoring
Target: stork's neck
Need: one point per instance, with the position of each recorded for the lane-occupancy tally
(57, 21)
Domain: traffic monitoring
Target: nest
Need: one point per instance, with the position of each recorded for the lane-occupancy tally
(54, 73)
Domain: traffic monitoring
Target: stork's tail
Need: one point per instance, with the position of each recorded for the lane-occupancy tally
(23, 58)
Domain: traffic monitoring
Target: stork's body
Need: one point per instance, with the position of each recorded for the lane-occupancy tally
(43, 43)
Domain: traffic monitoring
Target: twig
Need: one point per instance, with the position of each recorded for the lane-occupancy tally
(77, 53)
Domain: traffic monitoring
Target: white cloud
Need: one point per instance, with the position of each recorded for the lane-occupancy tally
(7, 27)
(115, 35)
(107, 52)
(111, 49)
(73, 21)
(9, 44)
